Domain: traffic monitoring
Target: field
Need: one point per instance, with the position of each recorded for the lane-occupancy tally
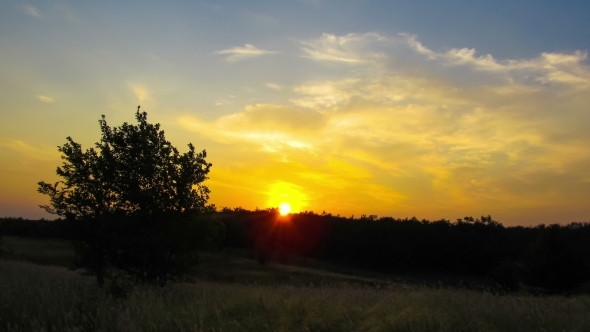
(234, 293)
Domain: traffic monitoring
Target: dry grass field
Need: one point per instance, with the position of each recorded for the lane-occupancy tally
(233, 293)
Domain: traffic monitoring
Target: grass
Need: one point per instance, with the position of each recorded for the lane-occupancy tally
(266, 298)
(39, 251)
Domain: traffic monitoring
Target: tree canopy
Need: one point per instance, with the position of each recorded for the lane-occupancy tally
(132, 170)
(134, 201)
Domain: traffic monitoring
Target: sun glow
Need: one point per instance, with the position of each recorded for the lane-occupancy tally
(286, 195)
(284, 208)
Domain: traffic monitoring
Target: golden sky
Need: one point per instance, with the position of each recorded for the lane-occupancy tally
(351, 123)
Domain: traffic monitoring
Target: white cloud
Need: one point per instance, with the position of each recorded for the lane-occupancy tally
(325, 94)
(351, 48)
(140, 91)
(404, 53)
(242, 53)
(45, 99)
(222, 102)
(58, 9)
(274, 86)
(547, 68)
(29, 10)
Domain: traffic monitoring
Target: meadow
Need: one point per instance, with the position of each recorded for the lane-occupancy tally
(231, 292)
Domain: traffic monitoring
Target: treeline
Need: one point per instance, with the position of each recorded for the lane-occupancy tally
(42, 228)
(554, 258)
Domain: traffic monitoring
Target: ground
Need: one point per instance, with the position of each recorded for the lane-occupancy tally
(232, 292)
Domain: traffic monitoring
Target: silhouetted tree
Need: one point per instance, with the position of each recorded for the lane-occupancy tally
(133, 202)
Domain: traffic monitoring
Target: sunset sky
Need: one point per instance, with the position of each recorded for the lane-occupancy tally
(433, 109)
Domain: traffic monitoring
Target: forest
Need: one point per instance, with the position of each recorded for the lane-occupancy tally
(545, 259)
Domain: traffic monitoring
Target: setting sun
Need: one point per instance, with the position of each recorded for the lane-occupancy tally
(284, 209)
(289, 197)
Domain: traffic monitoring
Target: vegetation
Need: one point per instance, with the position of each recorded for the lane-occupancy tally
(133, 202)
(251, 297)
(541, 260)
(45, 298)
(52, 252)
(136, 211)
(548, 259)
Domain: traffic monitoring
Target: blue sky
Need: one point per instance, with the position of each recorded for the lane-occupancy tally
(426, 108)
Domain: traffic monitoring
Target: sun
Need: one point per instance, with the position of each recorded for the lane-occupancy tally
(288, 197)
(284, 208)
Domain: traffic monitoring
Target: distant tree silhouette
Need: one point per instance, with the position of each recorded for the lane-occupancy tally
(133, 202)
(554, 259)
(539, 260)
(559, 258)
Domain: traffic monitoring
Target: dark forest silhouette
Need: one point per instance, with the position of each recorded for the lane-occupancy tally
(550, 259)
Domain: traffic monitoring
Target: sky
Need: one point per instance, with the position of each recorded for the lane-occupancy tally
(395, 108)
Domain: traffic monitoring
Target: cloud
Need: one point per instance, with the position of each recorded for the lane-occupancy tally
(400, 128)
(405, 53)
(58, 9)
(349, 49)
(32, 152)
(222, 102)
(269, 127)
(29, 10)
(274, 86)
(45, 99)
(547, 68)
(242, 53)
(140, 91)
(325, 94)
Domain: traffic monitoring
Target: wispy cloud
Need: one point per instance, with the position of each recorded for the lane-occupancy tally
(30, 151)
(269, 127)
(140, 91)
(325, 94)
(29, 9)
(560, 68)
(409, 54)
(242, 53)
(351, 48)
(222, 102)
(45, 99)
(58, 9)
(274, 86)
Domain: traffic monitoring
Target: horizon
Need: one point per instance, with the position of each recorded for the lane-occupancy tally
(388, 108)
(283, 213)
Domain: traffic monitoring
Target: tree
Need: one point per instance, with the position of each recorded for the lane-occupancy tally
(134, 202)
